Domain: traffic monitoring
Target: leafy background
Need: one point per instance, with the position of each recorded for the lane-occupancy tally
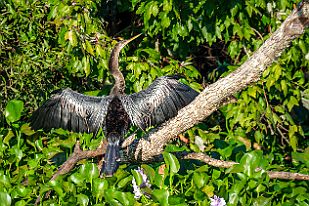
(52, 44)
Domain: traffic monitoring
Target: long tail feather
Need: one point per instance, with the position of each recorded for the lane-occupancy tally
(110, 160)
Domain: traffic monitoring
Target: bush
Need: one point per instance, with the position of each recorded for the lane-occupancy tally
(52, 44)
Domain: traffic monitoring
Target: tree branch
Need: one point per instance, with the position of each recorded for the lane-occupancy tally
(213, 96)
(227, 164)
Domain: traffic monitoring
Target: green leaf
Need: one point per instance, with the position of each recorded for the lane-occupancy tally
(165, 20)
(216, 174)
(149, 171)
(258, 136)
(23, 191)
(71, 36)
(89, 171)
(99, 187)
(124, 182)
(261, 201)
(27, 130)
(100, 52)
(172, 162)
(161, 196)
(277, 69)
(8, 137)
(292, 136)
(5, 199)
(124, 198)
(291, 103)
(5, 180)
(167, 5)
(177, 200)
(209, 190)
(150, 9)
(301, 157)
(302, 45)
(252, 92)
(82, 199)
(13, 110)
(89, 48)
(137, 176)
(21, 203)
(77, 178)
(249, 162)
(198, 179)
(86, 65)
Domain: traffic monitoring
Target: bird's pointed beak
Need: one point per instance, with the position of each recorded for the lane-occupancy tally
(131, 39)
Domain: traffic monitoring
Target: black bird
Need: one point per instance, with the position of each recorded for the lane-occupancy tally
(76, 112)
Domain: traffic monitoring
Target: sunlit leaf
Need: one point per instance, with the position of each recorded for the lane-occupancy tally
(172, 162)
(161, 196)
(5, 199)
(82, 199)
(13, 110)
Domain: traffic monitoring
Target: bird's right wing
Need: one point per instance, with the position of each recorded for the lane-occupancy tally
(159, 102)
(73, 111)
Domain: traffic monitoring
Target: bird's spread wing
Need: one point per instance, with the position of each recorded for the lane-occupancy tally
(70, 110)
(159, 102)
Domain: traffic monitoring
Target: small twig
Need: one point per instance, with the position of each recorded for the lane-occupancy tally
(283, 137)
(256, 31)
(283, 128)
(265, 96)
(246, 51)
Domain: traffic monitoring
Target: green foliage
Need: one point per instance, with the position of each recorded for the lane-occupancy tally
(52, 44)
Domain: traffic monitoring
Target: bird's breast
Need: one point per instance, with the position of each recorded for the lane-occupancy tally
(117, 119)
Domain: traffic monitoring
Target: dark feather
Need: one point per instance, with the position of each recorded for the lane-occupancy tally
(111, 156)
(72, 111)
(159, 102)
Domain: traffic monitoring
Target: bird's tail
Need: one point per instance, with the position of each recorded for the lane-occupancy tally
(110, 159)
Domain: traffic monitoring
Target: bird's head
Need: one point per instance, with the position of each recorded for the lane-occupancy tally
(123, 43)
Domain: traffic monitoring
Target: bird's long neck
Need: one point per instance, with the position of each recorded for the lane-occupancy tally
(119, 85)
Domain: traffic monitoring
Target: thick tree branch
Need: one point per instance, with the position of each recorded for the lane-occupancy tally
(214, 95)
(78, 155)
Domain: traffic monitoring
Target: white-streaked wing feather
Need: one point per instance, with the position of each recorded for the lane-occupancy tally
(159, 102)
(73, 111)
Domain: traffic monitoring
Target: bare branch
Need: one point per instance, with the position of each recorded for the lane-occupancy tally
(287, 175)
(209, 160)
(227, 164)
(78, 155)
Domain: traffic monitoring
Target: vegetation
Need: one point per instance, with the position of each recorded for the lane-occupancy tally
(52, 44)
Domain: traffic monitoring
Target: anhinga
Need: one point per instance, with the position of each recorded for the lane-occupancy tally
(76, 112)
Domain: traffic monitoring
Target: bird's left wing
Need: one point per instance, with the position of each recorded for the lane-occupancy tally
(159, 102)
(73, 111)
